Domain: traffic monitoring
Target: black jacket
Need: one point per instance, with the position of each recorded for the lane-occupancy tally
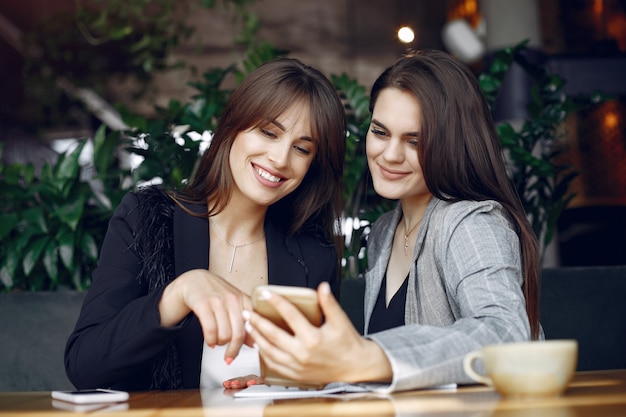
(117, 341)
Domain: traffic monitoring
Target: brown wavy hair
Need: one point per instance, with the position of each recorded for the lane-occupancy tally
(263, 96)
(460, 150)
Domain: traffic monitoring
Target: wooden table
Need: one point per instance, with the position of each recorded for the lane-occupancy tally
(597, 394)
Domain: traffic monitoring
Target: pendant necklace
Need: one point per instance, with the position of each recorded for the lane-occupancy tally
(233, 245)
(406, 237)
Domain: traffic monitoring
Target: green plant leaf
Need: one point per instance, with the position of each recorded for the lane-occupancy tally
(508, 135)
(66, 249)
(12, 174)
(8, 222)
(32, 254)
(29, 173)
(68, 186)
(9, 267)
(35, 219)
(123, 32)
(72, 212)
(77, 279)
(68, 166)
(50, 262)
(6, 278)
(104, 149)
(489, 84)
(89, 246)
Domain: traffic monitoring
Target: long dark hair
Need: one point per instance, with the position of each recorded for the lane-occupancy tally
(459, 148)
(263, 96)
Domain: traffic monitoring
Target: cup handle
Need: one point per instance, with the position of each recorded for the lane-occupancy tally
(468, 366)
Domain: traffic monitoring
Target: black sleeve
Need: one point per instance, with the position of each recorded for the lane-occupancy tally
(118, 333)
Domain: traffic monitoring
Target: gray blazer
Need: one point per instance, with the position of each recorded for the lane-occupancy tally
(464, 291)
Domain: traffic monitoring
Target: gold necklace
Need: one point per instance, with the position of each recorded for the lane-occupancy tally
(234, 246)
(406, 237)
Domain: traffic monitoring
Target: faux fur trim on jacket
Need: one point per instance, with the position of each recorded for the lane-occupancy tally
(154, 243)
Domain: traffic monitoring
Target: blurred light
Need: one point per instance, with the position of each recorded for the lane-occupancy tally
(611, 120)
(462, 41)
(598, 7)
(406, 34)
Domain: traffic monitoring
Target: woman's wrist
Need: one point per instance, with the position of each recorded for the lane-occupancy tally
(372, 365)
(172, 308)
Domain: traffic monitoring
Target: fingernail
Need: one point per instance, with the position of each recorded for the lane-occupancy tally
(266, 295)
(226, 384)
(235, 384)
(251, 382)
(255, 346)
(212, 346)
(248, 327)
(246, 315)
(325, 288)
(228, 362)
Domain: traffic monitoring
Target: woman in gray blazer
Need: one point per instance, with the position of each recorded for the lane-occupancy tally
(454, 267)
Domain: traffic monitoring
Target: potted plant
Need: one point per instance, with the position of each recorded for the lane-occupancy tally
(531, 149)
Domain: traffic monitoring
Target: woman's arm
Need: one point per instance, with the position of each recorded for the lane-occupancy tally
(118, 332)
(333, 352)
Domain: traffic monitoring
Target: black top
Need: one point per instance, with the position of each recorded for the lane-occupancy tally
(387, 317)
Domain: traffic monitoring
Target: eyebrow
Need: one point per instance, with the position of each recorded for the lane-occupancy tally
(278, 124)
(376, 122)
(281, 127)
(381, 125)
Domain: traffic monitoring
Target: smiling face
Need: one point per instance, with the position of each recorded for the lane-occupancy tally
(392, 146)
(270, 161)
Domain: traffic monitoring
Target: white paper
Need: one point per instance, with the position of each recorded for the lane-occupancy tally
(334, 388)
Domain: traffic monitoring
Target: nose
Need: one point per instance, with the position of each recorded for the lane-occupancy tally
(279, 153)
(393, 151)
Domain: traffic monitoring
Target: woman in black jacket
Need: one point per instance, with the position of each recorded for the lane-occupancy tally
(176, 269)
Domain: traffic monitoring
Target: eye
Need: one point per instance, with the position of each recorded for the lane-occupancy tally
(302, 150)
(378, 132)
(305, 147)
(412, 138)
(268, 133)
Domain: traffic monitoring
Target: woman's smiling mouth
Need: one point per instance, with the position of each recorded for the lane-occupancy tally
(266, 175)
(391, 174)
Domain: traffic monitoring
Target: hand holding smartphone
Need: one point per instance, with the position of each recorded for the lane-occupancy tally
(305, 300)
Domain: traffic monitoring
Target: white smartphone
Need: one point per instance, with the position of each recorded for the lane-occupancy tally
(91, 396)
(86, 408)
